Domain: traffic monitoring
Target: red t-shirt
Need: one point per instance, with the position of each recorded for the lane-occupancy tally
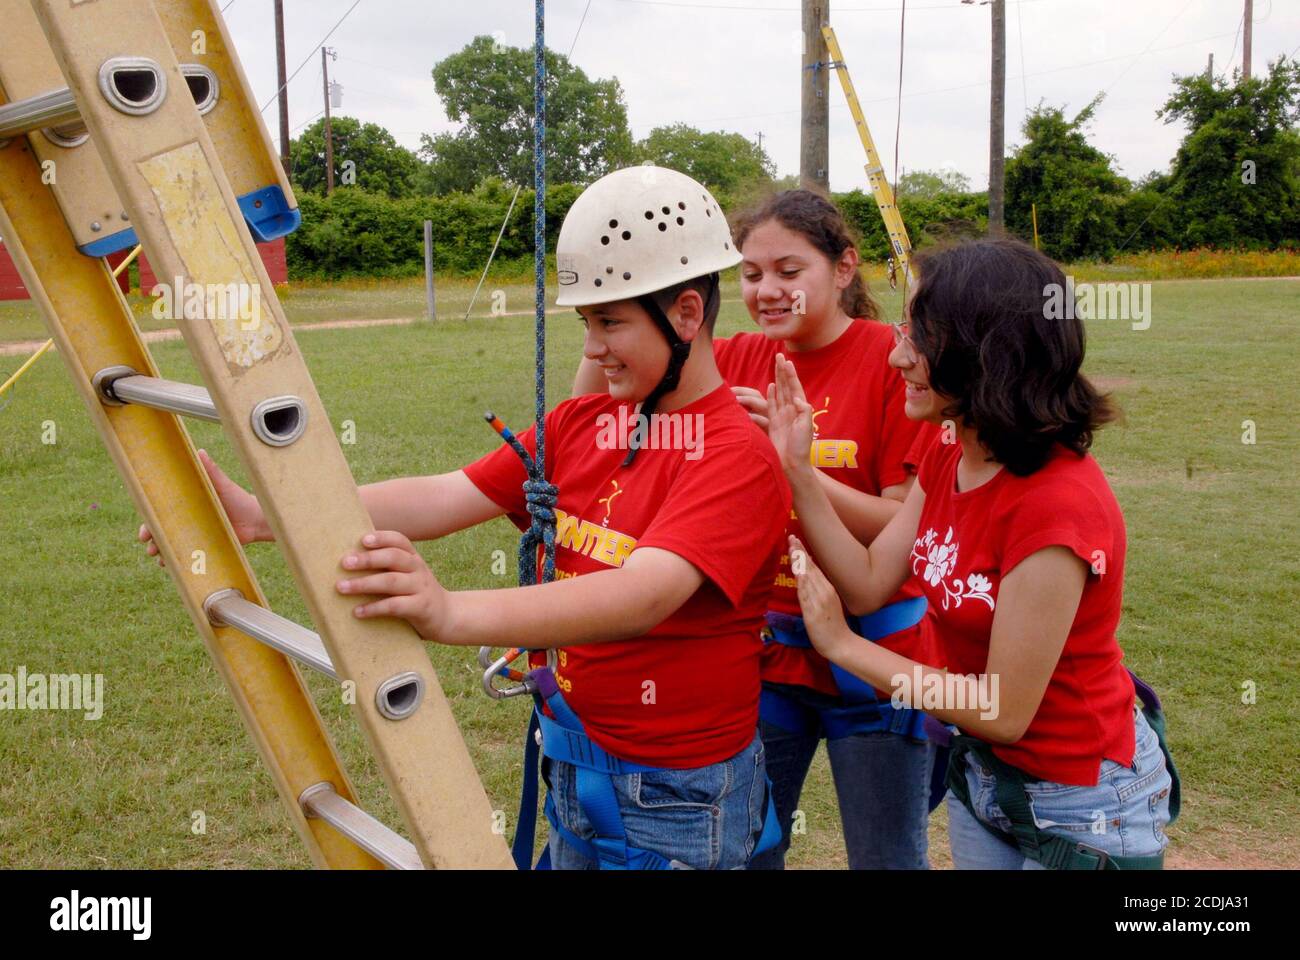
(967, 542)
(927, 434)
(685, 694)
(860, 437)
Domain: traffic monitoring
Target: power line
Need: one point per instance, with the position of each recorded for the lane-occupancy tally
(1241, 22)
(310, 56)
(579, 30)
(318, 113)
(1147, 49)
(977, 84)
(875, 9)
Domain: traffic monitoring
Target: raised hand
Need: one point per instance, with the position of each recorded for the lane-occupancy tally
(790, 424)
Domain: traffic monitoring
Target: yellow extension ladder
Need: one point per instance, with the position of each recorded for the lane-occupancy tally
(122, 119)
(880, 188)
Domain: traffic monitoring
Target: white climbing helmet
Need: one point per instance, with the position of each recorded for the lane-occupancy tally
(639, 230)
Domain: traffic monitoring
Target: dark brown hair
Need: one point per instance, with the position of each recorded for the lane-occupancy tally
(822, 224)
(982, 317)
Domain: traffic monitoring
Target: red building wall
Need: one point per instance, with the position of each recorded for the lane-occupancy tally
(11, 285)
(272, 258)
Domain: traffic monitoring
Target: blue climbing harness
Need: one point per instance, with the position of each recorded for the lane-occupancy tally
(864, 711)
(563, 738)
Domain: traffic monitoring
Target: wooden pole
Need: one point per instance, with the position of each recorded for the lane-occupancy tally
(282, 75)
(329, 133)
(997, 119)
(1247, 17)
(428, 269)
(814, 143)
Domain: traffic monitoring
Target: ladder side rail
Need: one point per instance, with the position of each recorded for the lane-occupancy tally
(93, 327)
(168, 175)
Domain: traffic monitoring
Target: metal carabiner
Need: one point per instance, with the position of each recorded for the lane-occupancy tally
(500, 667)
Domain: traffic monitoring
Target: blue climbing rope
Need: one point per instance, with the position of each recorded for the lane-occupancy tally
(539, 494)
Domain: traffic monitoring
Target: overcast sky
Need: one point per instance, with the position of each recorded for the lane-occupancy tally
(733, 65)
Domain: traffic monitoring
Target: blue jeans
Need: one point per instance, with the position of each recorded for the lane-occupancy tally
(882, 782)
(1124, 814)
(702, 818)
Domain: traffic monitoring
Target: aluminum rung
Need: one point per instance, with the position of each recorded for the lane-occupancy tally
(321, 800)
(58, 108)
(276, 421)
(118, 385)
(228, 608)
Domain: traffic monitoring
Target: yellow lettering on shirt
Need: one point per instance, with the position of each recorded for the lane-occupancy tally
(785, 581)
(600, 543)
(834, 453)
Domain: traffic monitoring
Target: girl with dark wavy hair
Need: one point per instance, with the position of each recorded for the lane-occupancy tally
(1018, 543)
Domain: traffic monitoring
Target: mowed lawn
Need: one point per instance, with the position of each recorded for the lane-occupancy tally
(1210, 602)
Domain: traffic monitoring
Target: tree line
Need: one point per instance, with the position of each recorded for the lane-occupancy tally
(1233, 183)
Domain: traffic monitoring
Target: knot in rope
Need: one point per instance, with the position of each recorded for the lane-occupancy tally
(540, 498)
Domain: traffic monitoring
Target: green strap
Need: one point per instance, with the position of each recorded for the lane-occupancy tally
(1052, 851)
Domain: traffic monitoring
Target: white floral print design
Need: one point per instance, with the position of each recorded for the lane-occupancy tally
(934, 561)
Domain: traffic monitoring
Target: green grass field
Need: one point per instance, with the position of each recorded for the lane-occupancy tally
(1211, 592)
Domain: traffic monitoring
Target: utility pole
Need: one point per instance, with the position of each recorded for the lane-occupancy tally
(814, 142)
(1247, 18)
(281, 75)
(325, 54)
(1209, 67)
(997, 119)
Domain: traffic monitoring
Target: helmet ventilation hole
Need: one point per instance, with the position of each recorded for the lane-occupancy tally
(605, 240)
(680, 205)
(681, 222)
(663, 226)
(609, 269)
(598, 281)
(684, 261)
(649, 214)
(665, 209)
(613, 224)
(627, 234)
(626, 275)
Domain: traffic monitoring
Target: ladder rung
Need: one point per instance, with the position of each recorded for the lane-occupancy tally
(53, 109)
(322, 800)
(276, 421)
(118, 385)
(229, 608)
(58, 108)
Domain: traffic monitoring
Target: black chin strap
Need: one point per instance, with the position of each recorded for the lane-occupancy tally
(681, 350)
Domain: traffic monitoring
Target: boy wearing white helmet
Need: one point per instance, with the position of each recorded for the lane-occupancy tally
(664, 556)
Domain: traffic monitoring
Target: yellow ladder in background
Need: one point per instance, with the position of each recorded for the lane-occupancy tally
(127, 121)
(880, 188)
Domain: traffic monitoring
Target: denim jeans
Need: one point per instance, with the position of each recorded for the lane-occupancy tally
(882, 782)
(702, 818)
(1123, 815)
